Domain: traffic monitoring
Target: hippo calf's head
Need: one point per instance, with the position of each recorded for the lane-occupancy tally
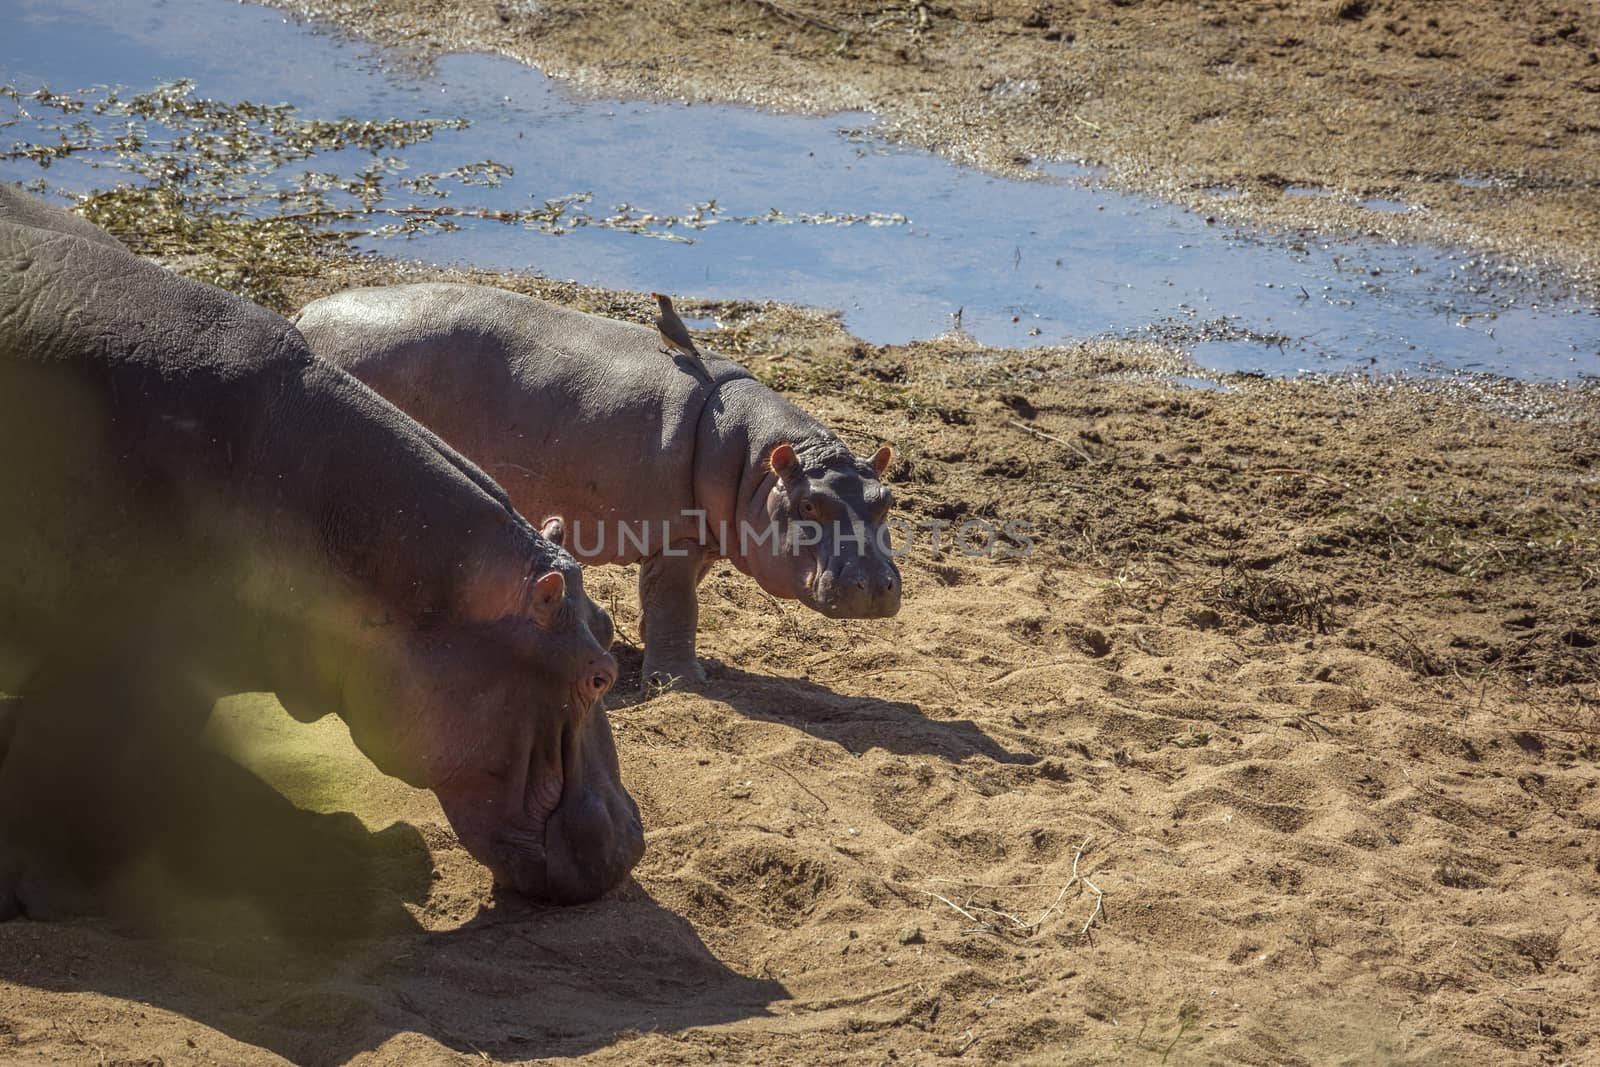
(501, 719)
(825, 541)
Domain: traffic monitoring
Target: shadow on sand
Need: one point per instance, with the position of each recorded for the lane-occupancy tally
(287, 930)
(856, 723)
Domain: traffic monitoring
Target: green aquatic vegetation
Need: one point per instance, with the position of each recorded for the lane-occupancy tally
(221, 187)
(230, 190)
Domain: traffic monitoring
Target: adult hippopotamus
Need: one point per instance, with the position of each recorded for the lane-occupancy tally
(193, 505)
(587, 418)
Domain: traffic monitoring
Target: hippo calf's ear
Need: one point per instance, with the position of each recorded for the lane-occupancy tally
(784, 463)
(881, 459)
(555, 530)
(549, 590)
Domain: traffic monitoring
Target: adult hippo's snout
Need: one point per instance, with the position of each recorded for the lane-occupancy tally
(590, 840)
(504, 722)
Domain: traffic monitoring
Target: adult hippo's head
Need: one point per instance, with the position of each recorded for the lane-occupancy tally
(500, 717)
(815, 532)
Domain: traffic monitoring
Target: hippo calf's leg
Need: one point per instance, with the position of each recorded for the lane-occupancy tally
(669, 614)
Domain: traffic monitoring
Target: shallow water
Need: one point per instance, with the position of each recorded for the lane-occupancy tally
(1026, 262)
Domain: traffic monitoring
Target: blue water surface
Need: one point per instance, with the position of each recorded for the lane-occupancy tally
(1026, 261)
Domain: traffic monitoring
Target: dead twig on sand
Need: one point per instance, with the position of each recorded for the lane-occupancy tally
(799, 18)
(795, 779)
(1270, 599)
(1421, 662)
(784, 619)
(953, 904)
(1099, 894)
(1022, 927)
(1052, 438)
(1298, 473)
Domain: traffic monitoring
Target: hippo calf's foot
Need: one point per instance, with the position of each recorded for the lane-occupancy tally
(654, 679)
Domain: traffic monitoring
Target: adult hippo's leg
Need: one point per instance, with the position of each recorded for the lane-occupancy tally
(669, 613)
(27, 886)
(10, 711)
(10, 867)
(90, 751)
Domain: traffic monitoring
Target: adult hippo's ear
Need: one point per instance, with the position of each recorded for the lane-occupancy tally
(784, 463)
(881, 459)
(549, 590)
(555, 530)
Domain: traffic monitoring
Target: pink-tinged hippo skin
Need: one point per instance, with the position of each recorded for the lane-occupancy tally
(192, 505)
(588, 418)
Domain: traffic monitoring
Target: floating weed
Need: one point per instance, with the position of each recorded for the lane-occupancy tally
(230, 184)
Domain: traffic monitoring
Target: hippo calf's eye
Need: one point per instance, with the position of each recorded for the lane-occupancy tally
(808, 509)
(601, 677)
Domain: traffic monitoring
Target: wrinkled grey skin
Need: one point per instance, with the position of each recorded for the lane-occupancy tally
(192, 505)
(587, 418)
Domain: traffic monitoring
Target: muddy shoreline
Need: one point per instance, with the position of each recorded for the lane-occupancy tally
(1363, 98)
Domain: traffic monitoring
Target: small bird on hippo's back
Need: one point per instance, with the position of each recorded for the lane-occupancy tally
(675, 335)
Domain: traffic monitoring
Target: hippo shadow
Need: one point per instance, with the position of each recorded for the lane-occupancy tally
(856, 723)
(288, 930)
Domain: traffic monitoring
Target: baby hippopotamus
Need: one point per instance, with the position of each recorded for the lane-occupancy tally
(585, 417)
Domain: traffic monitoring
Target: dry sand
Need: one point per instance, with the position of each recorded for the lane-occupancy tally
(1301, 678)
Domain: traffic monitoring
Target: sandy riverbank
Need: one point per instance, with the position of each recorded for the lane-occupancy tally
(1306, 672)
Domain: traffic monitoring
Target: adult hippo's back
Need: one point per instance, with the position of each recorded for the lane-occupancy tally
(586, 417)
(192, 505)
